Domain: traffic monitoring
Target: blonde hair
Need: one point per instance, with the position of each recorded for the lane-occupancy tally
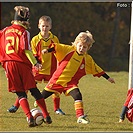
(84, 37)
(45, 18)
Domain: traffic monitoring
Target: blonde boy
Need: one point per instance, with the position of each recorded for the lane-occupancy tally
(74, 63)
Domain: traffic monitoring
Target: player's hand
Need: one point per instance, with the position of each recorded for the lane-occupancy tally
(111, 80)
(38, 66)
(44, 51)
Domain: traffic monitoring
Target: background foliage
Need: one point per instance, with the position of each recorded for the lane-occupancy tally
(108, 22)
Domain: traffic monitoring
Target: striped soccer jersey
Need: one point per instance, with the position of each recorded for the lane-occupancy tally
(48, 61)
(72, 66)
(14, 41)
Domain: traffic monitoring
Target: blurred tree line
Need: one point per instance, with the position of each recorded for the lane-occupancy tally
(109, 22)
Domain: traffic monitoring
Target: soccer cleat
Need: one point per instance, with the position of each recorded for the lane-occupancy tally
(48, 120)
(35, 104)
(31, 122)
(121, 120)
(83, 120)
(60, 112)
(13, 109)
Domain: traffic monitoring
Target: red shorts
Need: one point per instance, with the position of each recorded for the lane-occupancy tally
(41, 77)
(19, 75)
(58, 89)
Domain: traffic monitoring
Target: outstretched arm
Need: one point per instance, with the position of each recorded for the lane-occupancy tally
(108, 78)
(111, 80)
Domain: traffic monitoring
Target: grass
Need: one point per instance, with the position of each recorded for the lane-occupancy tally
(102, 100)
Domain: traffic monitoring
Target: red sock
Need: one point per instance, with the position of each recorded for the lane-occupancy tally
(42, 105)
(17, 103)
(79, 112)
(79, 108)
(56, 101)
(25, 106)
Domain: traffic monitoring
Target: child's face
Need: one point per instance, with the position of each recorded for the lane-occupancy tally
(44, 27)
(81, 48)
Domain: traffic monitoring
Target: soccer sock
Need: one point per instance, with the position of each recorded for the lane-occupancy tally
(17, 103)
(25, 106)
(42, 105)
(56, 101)
(79, 108)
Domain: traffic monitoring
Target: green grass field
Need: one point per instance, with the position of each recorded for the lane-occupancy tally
(102, 100)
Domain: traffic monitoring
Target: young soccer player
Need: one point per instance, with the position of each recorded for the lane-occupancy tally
(43, 40)
(74, 63)
(127, 109)
(17, 60)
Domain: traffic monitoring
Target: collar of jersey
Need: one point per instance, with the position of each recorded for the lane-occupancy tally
(46, 39)
(18, 23)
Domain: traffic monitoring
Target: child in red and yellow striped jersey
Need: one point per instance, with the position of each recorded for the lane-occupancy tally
(74, 63)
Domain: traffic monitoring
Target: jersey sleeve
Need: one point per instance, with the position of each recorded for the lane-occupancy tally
(57, 40)
(30, 56)
(93, 68)
(61, 50)
(26, 41)
(33, 46)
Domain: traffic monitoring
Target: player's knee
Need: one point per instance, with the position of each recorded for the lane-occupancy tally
(36, 93)
(21, 95)
(76, 94)
(46, 94)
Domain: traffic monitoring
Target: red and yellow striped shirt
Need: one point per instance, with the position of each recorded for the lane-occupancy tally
(14, 40)
(72, 66)
(48, 61)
